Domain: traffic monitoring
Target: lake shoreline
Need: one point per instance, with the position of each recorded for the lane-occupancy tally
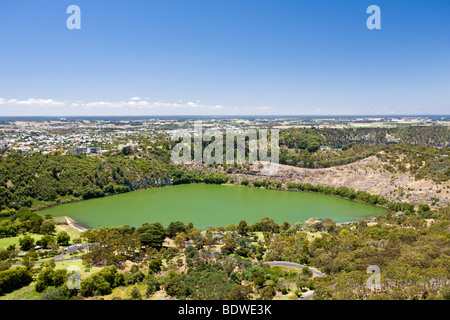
(75, 200)
(82, 227)
(197, 206)
(76, 224)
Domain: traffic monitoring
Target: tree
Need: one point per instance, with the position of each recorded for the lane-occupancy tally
(174, 228)
(267, 293)
(243, 252)
(153, 285)
(242, 228)
(189, 227)
(239, 293)
(301, 285)
(231, 227)
(180, 240)
(62, 238)
(48, 226)
(194, 234)
(190, 252)
(152, 235)
(229, 238)
(306, 271)
(111, 246)
(4, 254)
(284, 290)
(59, 293)
(50, 277)
(423, 208)
(258, 278)
(95, 284)
(235, 277)
(111, 275)
(445, 293)
(228, 248)
(136, 294)
(127, 150)
(266, 224)
(285, 226)
(14, 278)
(154, 266)
(26, 242)
(46, 241)
(176, 285)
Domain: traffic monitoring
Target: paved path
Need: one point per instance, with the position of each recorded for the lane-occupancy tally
(307, 295)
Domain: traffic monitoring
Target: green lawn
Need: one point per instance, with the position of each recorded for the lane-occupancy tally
(72, 232)
(5, 242)
(83, 271)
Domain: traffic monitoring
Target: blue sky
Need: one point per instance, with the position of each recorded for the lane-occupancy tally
(216, 57)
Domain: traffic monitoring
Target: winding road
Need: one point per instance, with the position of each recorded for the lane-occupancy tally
(60, 257)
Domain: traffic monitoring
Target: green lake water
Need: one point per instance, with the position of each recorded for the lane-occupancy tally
(210, 205)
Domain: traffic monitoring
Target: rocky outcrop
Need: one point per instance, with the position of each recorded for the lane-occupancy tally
(365, 175)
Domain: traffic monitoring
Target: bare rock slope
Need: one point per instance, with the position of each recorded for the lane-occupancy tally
(366, 175)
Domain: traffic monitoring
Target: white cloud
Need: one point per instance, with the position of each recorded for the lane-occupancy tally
(134, 105)
(32, 102)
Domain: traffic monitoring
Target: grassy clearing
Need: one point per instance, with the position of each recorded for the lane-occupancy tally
(5, 242)
(125, 292)
(25, 293)
(312, 235)
(280, 296)
(84, 271)
(294, 272)
(71, 231)
(290, 277)
(259, 234)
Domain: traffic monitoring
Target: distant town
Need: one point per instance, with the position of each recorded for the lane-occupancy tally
(96, 135)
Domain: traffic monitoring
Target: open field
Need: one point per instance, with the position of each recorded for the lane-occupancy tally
(71, 231)
(5, 242)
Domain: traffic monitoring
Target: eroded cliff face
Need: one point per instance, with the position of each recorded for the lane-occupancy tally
(365, 175)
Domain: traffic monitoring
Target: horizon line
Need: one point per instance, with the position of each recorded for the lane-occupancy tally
(235, 115)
